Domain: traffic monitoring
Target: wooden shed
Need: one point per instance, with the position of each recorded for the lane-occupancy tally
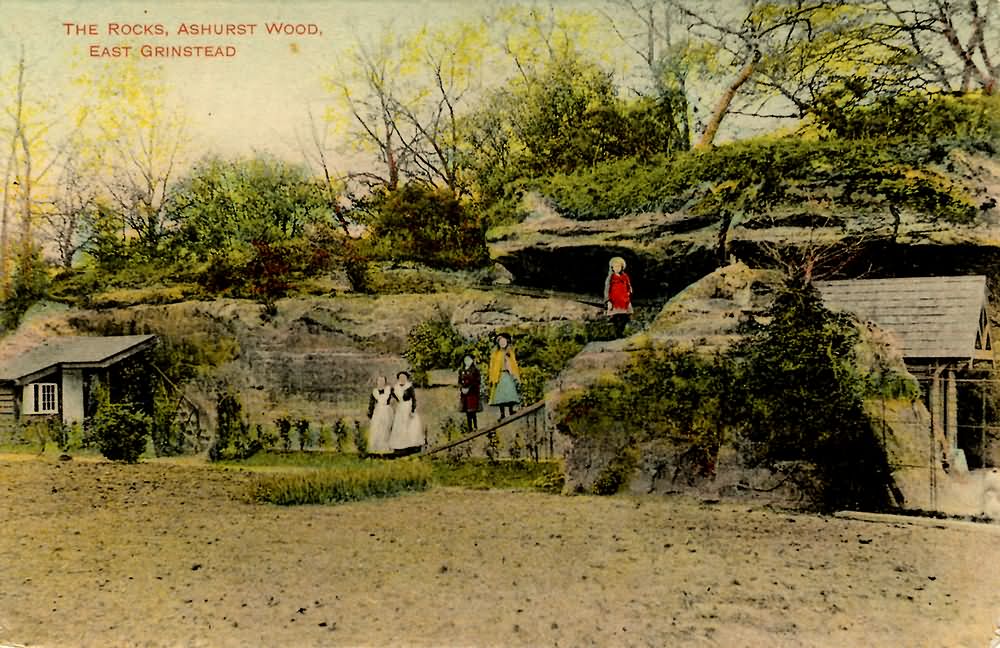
(52, 379)
(942, 325)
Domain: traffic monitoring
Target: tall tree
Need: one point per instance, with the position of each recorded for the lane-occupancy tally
(70, 219)
(222, 205)
(143, 141)
(35, 145)
(951, 43)
(368, 93)
(779, 54)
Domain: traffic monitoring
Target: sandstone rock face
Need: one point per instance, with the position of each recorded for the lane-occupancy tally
(667, 251)
(319, 357)
(707, 317)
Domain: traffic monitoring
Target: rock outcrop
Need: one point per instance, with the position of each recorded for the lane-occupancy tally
(668, 251)
(318, 357)
(709, 316)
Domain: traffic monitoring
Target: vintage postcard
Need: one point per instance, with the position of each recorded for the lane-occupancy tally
(517, 323)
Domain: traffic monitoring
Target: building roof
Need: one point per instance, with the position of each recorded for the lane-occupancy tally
(934, 317)
(76, 352)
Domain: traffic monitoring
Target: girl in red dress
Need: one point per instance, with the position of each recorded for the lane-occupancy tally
(618, 295)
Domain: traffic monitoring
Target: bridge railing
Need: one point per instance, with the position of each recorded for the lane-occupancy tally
(539, 440)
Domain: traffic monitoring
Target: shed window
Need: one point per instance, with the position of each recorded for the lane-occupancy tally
(42, 398)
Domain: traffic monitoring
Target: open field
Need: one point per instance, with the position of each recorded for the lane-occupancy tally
(160, 554)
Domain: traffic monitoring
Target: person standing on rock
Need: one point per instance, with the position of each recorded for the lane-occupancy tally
(381, 415)
(618, 295)
(504, 376)
(469, 383)
(407, 435)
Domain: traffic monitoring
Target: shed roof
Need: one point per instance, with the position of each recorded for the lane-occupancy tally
(73, 352)
(934, 317)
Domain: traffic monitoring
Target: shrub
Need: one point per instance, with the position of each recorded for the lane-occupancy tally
(340, 435)
(168, 436)
(234, 438)
(342, 484)
(284, 425)
(662, 393)
(433, 344)
(617, 473)
(430, 226)
(121, 432)
(870, 174)
(801, 400)
(303, 434)
(360, 440)
(29, 284)
(532, 385)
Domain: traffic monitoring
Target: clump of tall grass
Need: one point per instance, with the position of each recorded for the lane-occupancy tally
(342, 483)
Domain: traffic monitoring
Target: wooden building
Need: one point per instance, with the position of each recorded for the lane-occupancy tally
(942, 325)
(52, 380)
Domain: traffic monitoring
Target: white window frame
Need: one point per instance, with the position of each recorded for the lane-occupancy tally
(38, 395)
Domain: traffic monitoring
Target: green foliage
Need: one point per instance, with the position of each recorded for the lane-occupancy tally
(802, 401)
(550, 347)
(662, 393)
(481, 473)
(427, 225)
(492, 448)
(755, 176)
(120, 431)
(284, 425)
(303, 433)
(532, 384)
(340, 435)
(234, 438)
(168, 436)
(848, 110)
(342, 484)
(617, 473)
(227, 205)
(360, 441)
(562, 117)
(29, 284)
(433, 344)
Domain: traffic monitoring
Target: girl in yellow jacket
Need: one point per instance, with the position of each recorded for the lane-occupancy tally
(504, 376)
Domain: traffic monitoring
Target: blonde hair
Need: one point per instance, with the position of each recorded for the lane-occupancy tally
(611, 263)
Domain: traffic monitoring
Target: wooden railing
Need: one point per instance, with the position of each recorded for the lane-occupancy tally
(516, 416)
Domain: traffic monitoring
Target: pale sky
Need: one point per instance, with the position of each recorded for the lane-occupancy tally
(256, 100)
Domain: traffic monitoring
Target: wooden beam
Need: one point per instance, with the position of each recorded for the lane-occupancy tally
(521, 413)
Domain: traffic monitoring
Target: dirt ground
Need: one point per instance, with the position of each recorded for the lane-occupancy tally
(157, 554)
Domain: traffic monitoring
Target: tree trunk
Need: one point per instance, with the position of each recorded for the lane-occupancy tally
(11, 163)
(721, 108)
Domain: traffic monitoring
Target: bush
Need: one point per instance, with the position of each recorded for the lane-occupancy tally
(284, 425)
(303, 433)
(433, 344)
(121, 432)
(430, 226)
(662, 393)
(801, 400)
(360, 440)
(617, 473)
(234, 438)
(29, 284)
(339, 434)
(342, 484)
